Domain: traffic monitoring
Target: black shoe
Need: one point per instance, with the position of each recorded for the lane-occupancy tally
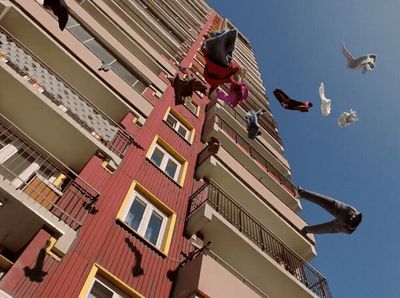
(299, 190)
(303, 232)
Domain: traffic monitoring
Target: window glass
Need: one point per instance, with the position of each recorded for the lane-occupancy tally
(171, 168)
(100, 291)
(80, 33)
(153, 228)
(99, 51)
(171, 121)
(182, 131)
(140, 86)
(126, 75)
(191, 107)
(135, 214)
(157, 156)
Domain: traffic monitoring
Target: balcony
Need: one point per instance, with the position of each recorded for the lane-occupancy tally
(265, 171)
(34, 92)
(267, 142)
(209, 274)
(222, 220)
(38, 190)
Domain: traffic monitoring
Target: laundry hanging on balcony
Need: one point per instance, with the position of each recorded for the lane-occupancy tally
(252, 125)
(238, 93)
(291, 104)
(347, 218)
(60, 9)
(184, 88)
(346, 118)
(366, 62)
(325, 102)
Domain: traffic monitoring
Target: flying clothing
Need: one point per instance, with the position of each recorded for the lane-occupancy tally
(238, 92)
(366, 62)
(218, 53)
(252, 125)
(347, 218)
(346, 118)
(220, 46)
(216, 75)
(60, 9)
(291, 104)
(325, 102)
(184, 88)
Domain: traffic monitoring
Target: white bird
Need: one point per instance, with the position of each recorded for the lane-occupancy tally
(325, 102)
(366, 62)
(346, 118)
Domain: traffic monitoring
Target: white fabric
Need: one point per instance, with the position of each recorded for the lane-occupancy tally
(325, 102)
(346, 118)
(366, 62)
(41, 2)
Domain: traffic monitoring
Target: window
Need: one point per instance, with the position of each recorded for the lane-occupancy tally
(145, 215)
(165, 162)
(168, 160)
(103, 289)
(179, 124)
(146, 220)
(103, 284)
(193, 107)
(105, 55)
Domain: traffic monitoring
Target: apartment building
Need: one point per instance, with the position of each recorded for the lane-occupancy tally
(109, 189)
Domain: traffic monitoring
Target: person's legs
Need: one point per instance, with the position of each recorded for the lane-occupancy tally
(324, 228)
(329, 204)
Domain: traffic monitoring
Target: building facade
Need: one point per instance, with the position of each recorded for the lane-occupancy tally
(109, 189)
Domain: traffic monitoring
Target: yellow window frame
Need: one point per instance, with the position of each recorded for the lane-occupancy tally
(171, 215)
(99, 270)
(175, 154)
(183, 121)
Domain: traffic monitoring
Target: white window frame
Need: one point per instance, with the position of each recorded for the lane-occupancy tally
(117, 293)
(144, 222)
(195, 105)
(164, 161)
(179, 125)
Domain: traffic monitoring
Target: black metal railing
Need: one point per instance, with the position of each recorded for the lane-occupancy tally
(248, 225)
(266, 165)
(43, 178)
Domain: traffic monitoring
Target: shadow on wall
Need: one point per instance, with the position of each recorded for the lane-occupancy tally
(137, 270)
(36, 273)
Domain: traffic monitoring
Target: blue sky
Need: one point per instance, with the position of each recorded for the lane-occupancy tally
(298, 45)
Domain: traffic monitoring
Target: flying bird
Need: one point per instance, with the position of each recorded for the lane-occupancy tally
(325, 102)
(60, 9)
(366, 62)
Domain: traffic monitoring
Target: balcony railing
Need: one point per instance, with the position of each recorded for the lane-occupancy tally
(54, 186)
(69, 100)
(210, 193)
(267, 166)
(265, 123)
